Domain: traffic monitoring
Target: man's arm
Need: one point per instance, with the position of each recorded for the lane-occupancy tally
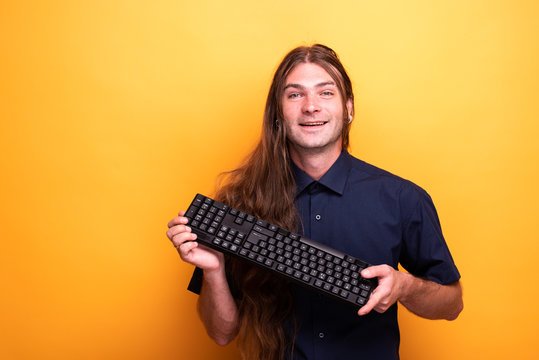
(216, 306)
(424, 298)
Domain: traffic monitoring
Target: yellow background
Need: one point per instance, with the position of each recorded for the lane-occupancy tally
(115, 113)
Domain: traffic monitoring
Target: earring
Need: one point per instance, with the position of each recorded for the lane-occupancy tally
(277, 123)
(350, 118)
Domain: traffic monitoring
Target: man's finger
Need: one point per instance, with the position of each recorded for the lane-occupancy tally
(178, 220)
(367, 308)
(185, 248)
(374, 271)
(177, 229)
(182, 237)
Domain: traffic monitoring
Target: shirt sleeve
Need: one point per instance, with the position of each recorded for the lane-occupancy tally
(196, 281)
(424, 252)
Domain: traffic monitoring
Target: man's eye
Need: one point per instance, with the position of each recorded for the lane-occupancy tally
(327, 93)
(293, 95)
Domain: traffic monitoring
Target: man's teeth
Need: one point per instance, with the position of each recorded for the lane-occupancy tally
(314, 123)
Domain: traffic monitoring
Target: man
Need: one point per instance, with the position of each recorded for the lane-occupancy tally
(301, 177)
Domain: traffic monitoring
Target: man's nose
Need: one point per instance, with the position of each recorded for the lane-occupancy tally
(311, 105)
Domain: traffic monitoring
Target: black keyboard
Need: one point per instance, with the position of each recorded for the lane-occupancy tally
(309, 263)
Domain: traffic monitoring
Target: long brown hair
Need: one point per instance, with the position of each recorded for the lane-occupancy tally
(264, 185)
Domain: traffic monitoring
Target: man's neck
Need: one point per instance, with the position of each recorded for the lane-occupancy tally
(315, 164)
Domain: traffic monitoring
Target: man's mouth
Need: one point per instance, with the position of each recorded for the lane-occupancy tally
(314, 123)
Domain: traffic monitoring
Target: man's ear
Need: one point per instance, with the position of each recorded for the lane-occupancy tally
(350, 107)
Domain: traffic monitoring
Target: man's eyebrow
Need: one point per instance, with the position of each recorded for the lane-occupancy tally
(301, 87)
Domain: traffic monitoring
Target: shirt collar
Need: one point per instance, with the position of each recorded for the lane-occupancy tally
(334, 179)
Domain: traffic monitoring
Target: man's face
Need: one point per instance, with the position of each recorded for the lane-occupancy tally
(313, 110)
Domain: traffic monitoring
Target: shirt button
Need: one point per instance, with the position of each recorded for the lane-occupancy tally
(317, 217)
(321, 335)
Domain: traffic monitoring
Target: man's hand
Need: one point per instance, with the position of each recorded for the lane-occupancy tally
(191, 251)
(386, 293)
(424, 298)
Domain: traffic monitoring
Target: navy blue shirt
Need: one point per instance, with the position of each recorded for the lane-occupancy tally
(376, 217)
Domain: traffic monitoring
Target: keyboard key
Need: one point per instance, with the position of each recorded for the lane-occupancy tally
(263, 231)
(361, 301)
(261, 223)
(365, 286)
(191, 212)
(255, 237)
(199, 199)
